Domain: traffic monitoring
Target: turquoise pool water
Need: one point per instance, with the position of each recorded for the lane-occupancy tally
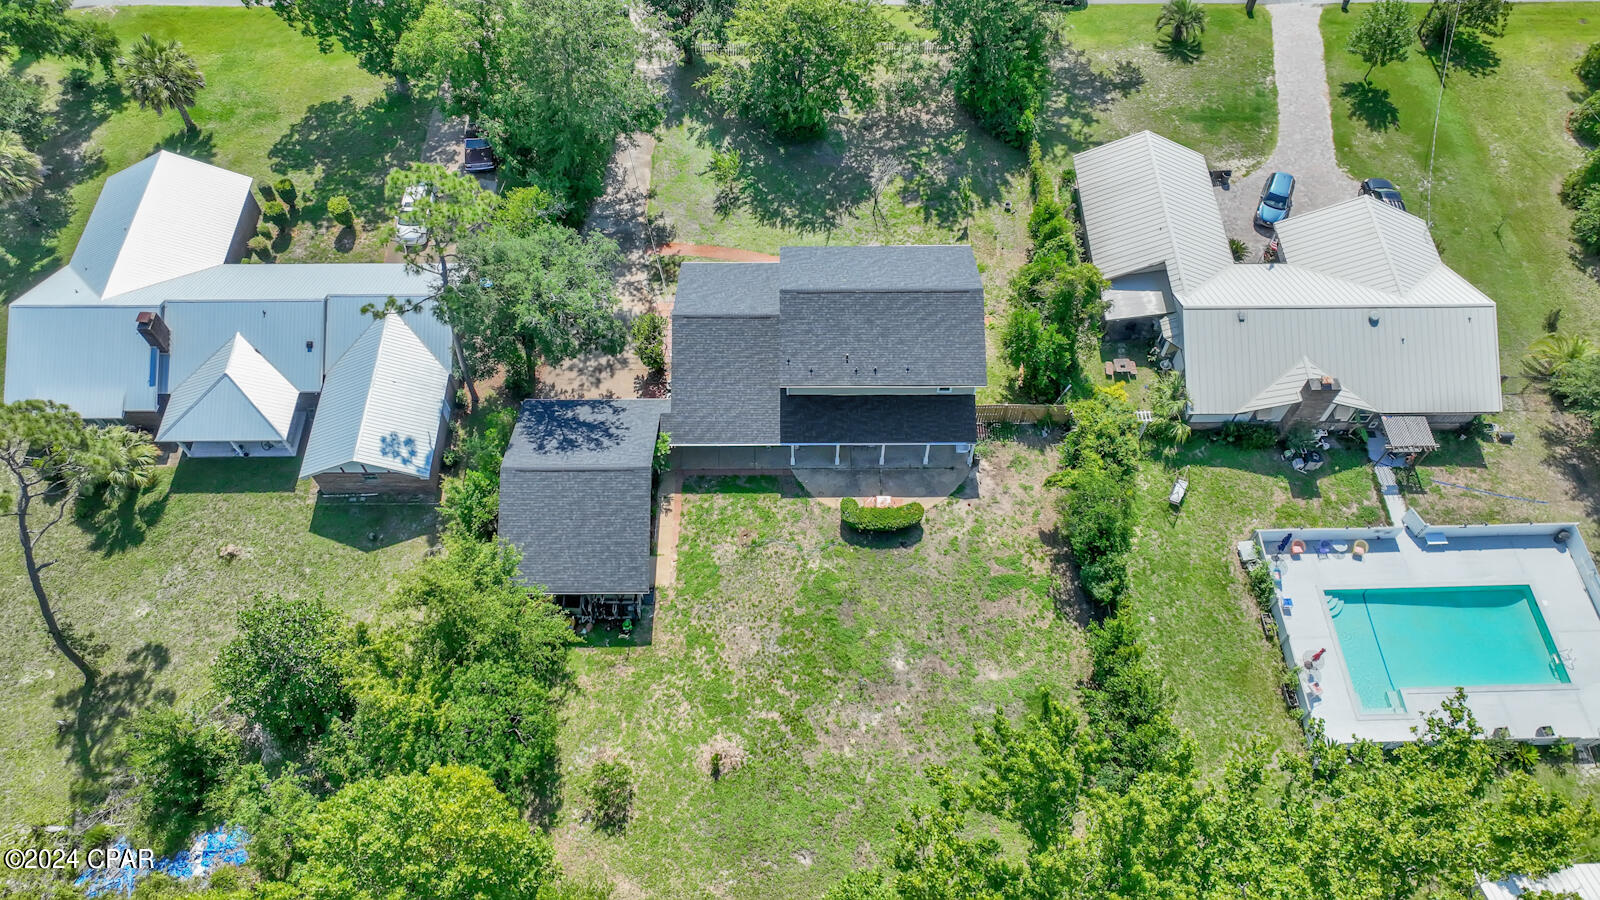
(1442, 637)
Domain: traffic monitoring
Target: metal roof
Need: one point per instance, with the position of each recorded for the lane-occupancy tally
(894, 268)
(162, 217)
(287, 332)
(1364, 240)
(381, 405)
(1408, 434)
(235, 395)
(1124, 304)
(1285, 285)
(1582, 879)
(1428, 359)
(92, 359)
(346, 322)
(1148, 202)
(575, 494)
(707, 289)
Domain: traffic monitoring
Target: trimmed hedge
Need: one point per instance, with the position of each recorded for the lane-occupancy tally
(339, 208)
(872, 518)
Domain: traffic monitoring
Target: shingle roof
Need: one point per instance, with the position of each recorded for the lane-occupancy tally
(575, 494)
(381, 405)
(873, 419)
(727, 289)
(1364, 240)
(1148, 202)
(897, 268)
(724, 380)
(235, 395)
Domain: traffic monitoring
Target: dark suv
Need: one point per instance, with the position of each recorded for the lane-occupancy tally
(478, 155)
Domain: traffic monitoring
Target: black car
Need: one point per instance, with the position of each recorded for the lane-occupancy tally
(1384, 190)
(478, 155)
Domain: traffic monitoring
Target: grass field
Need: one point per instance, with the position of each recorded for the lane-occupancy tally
(272, 105)
(152, 587)
(834, 669)
(1502, 153)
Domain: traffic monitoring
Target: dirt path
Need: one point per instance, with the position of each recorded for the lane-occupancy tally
(711, 251)
(1305, 129)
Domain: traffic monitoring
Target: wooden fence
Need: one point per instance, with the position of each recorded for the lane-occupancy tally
(1023, 413)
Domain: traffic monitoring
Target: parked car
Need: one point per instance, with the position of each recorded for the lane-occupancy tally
(477, 155)
(1276, 199)
(1384, 190)
(407, 229)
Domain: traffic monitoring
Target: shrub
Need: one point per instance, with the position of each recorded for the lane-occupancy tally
(878, 519)
(1586, 225)
(1247, 436)
(284, 669)
(339, 208)
(1261, 587)
(1585, 120)
(661, 461)
(650, 341)
(286, 190)
(260, 246)
(264, 188)
(176, 759)
(724, 172)
(263, 230)
(274, 211)
(1038, 178)
(1042, 356)
(471, 504)
(1238, 248)
(1588, 68)
(610, 794)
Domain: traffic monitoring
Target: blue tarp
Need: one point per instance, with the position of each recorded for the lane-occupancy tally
(221, 847)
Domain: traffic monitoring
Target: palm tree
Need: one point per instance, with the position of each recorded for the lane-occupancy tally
(20, 169)
(1553, 353)
(161, 76)
(1183, 17)
(1169, 403)
(119, 463)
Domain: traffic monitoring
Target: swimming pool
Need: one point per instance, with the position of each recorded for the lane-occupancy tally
(1445, 637)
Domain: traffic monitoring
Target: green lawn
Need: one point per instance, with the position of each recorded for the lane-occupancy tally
(272, 105)
(153, 588)
(1188, 593)
(1502, 153)
(836, 669)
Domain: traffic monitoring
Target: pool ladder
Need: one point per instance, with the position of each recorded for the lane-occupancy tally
(1335, 604)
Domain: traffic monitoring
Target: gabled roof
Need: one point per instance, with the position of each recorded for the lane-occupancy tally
(1582, 879)
(381, 405)
(162, 217)
(1364, 240)
(718, 290)
(235, 395)
(582, 435)
(928, 267)
(1148, 202)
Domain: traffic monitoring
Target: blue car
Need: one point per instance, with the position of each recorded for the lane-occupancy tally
(1276, 198)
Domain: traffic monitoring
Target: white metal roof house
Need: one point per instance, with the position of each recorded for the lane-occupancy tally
(1582, 879)
(1360, 318)
(153, 323)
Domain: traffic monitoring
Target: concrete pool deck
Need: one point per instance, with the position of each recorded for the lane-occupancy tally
(1564, 583)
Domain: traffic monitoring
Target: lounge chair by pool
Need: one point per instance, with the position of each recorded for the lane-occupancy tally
(1358, 549)
(1297, 548)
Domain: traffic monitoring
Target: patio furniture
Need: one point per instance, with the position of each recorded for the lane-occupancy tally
(1122, 365)
(1359, 549)
(1179, 489)
(1111, 369)
(1284, 544)
(1339, 549)
(1297, 548)
(1324, 548)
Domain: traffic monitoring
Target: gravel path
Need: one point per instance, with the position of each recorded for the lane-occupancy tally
(1305, 130)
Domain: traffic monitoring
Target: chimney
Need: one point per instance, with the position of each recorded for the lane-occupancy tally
(155, 332)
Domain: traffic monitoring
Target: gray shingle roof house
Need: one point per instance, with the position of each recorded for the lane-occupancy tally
(828, 346)
(575, 494)
(1359, 318)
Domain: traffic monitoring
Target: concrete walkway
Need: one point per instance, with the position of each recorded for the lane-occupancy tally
(1305, 130)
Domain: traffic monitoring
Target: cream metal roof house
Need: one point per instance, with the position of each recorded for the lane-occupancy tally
(148, 322)
(1360, 317)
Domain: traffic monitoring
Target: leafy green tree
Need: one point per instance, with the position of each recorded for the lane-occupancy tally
(1183, 19)
(369, 30)
(1383, 35)
(285, 668)
(1483, 17)
(121, 466)
(45, 28)
(1000, 51)
(649, 336)
(161, 76)
(176, 760)
(1096, 513)
(1576, 186)
(803, 60)
(273, 811)
(50, 456)
(546, 297)
(609, 790)
(470, 504)
(21, 170)
(1127, 705)
(1552, 354)
(1588, 68)
(553, 83)
(1044, 358)
(1035, 774)
(689, 22)
(1577, 385)
(447, 834)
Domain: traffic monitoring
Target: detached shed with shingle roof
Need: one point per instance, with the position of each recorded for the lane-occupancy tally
(575, 495)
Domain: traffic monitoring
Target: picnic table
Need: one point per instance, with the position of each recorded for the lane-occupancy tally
(1124, 366)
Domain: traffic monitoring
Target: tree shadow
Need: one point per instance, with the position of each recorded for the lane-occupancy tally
(1470, 52)
(881, 540)
(117, 696)
(345, 240)
(259, 475)
(352, 148)
(373, 525)
(1079, 93)
(1370, 105)
(1188, 50)
(118, 529)
(198, 144)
